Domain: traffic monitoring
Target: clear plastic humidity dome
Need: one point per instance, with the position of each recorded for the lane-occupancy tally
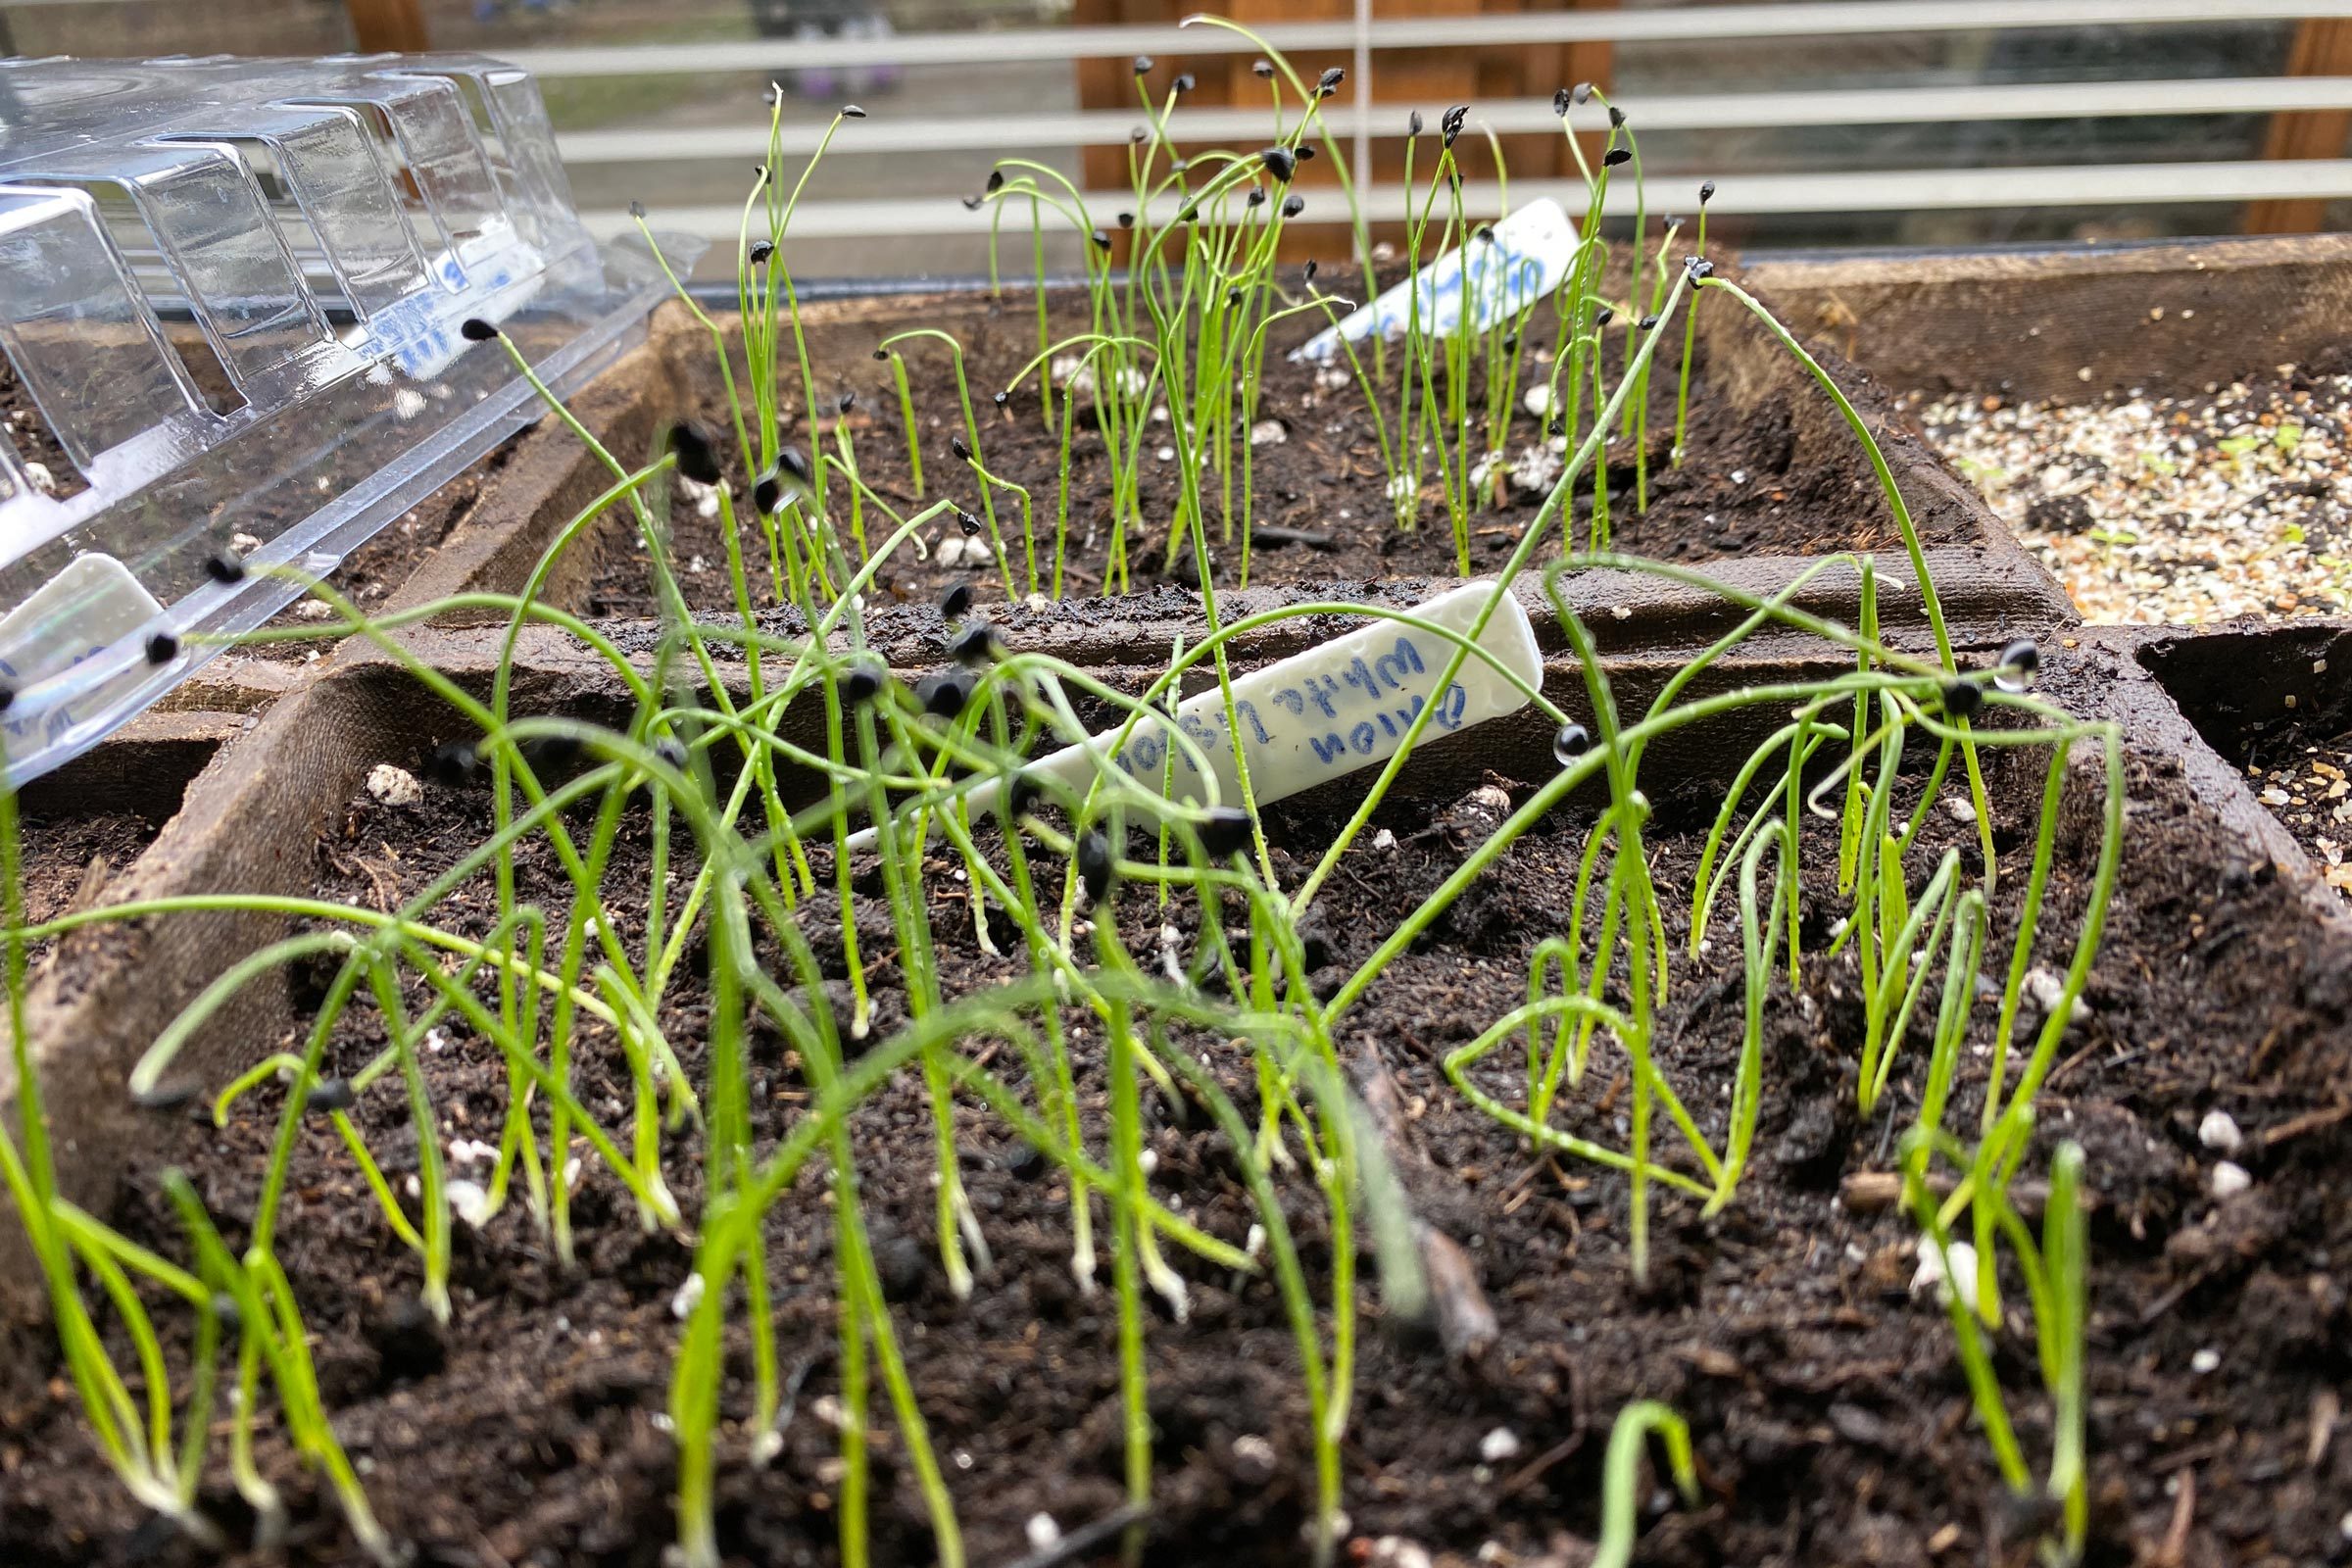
(231, 293)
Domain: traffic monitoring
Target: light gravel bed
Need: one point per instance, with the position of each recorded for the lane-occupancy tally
(2236, 500)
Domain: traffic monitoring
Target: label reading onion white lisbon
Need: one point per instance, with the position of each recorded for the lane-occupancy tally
(1328, 712)
(1523, 258)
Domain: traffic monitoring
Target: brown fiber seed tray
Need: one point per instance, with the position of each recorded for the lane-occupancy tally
(1827, 1407)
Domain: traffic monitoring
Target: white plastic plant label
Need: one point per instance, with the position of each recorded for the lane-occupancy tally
(1526, 257)
(90, 605)
(1326, 712)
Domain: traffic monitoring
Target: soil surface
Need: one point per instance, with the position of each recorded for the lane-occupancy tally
(1322, 512)
(70, 860)
(2305, 777)
(1827, 1407)
(379, 569)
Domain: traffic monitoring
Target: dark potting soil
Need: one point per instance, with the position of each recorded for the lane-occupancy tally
(2304, 776)
(380, 567)
(29, 431)
(1322, 510)
(1827, 1407)
(70, 860)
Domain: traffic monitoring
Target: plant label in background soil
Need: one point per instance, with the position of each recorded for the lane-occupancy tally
(1524, 261)
(1326, 712)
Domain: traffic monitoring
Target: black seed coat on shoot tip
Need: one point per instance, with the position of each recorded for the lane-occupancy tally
(1962, 697)
(1571, 742)
(2022, 657)
(860, 684)
(945, 695)
(954, 601)
(473, 330)
(1280, 162)
(454, 763)
(330, 1094)
(846, 402)
(961, 446)
(760, 251)
(1706, 193)
(671, 751)
(1412, 124)
(1184, 83)
(7, 697)
(1562, 100)
(161, 647)
(1022, 793)
(1262, 68)
(1331, 76)
(224, 567)
(696, 461)
(795, 463)
(970, 523)
(767, 494)
(1647, 322)
(1293, 205)
(1126, 219)
(977, 645)
(1143, 64)
(852, 112)
(1102, 238)
(1095, 863)
(1225, 833)
(1616, 156)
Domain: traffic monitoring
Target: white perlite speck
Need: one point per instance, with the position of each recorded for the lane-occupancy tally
(1268, 433)
(689, 1295)
(1043, 1533)
(2205, 1362)
(468, 1202)
(1499, 1444)
(2230, 1179)
(1537, 469)
(1933, 1278)
(394, 786)
(2219, 1132)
